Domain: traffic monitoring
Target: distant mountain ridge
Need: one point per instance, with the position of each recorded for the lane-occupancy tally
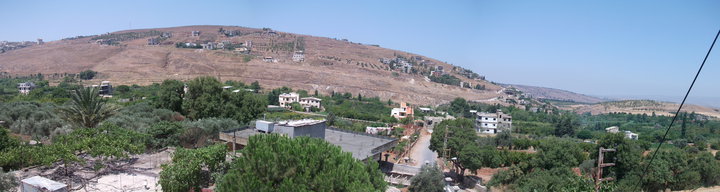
(555, 94)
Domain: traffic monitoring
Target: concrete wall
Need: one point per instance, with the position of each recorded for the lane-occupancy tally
(314, 130)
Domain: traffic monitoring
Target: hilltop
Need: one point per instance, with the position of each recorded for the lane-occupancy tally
(641, 107)
(556, 94)
(146, 56)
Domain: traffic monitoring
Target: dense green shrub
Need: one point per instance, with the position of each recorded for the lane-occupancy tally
(316, 166)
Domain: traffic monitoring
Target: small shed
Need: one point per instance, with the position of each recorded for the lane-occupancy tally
(42, 184)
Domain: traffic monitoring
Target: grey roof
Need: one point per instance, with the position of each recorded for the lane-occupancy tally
(361, 145)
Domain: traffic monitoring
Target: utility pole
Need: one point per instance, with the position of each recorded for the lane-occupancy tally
(598, 177)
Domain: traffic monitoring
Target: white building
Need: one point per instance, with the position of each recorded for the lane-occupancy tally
(309, 102)
(613, 129)
(493, 122)
(288, 98)
(631, 135)
(269, 60)
(628, 134)
(402, 112)
(26, 87)
(298, 56)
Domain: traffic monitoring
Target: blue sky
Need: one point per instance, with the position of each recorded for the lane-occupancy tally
(603, 48)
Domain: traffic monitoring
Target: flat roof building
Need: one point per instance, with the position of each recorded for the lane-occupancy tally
(493, 122)
(25, 88)
(361, 145)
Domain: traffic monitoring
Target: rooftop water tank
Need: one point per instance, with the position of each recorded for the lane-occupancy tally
(264, 126)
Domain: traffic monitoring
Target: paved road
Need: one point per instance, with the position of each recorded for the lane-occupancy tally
(421, 152)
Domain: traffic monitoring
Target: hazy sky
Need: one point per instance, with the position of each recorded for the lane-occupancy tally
(604, 48)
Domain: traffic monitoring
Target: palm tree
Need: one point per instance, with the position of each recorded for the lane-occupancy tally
(86, 108)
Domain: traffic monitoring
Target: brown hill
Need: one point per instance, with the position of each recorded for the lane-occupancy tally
(556, 94)
(642, 107)
(329, 65)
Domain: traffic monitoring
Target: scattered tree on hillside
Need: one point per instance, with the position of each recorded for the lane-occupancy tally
(87, 74)
(567, 124)
(255, 86)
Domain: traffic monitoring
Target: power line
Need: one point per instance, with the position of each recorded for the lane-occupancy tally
(644, 173)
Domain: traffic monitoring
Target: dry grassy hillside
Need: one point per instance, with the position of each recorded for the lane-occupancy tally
(643, 106)
(330, 65)
(556, 94)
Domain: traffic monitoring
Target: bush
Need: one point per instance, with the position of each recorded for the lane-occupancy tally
(715, 145)
(87, 74)
(429, 179)
(192, 168)
(8, 181)
(276, 163)
(584, 134)
(30, 118)
(164, 134)
(505, 177)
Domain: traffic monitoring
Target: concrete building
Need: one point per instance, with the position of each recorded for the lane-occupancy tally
(285, 99)
(153, 41)
(305, 127)
(269, 60)
(631, 135)
(613, 129)
(105, 88)
(309, 102)
(425, 109)
(361, 145)
(493, 122)
(431, 122)
(377, 130)
(195, 33)
(25, 88)
(628, 134)
(298, 56)
(42, 184)
(402, 112)
(40, 41)
(209, 45)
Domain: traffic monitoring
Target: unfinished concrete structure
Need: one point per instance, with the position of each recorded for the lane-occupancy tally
(493, 122)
